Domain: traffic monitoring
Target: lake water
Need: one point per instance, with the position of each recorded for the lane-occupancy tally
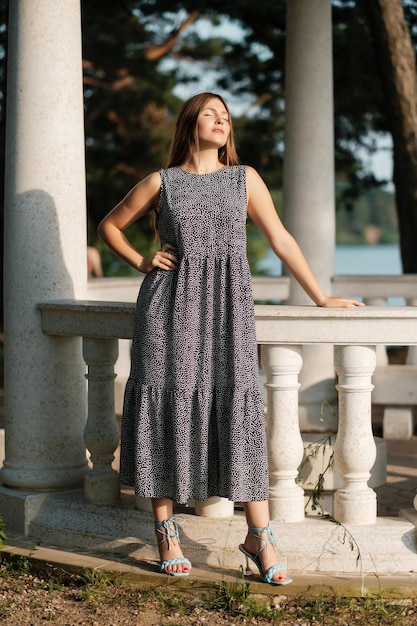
(383, 259)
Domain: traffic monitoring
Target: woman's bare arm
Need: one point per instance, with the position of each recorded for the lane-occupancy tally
(140, 200)
(262, 211)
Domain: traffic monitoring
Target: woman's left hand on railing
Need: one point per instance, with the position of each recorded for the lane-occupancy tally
(335, 302)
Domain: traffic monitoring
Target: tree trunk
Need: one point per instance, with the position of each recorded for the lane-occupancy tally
(397, 65)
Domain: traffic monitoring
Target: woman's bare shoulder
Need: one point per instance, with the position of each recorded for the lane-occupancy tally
(148, 187)
(253, 178)
(152, 181)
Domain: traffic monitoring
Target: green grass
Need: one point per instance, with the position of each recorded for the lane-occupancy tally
(233, 602)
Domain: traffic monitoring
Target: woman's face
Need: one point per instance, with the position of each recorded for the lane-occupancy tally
(213, 126)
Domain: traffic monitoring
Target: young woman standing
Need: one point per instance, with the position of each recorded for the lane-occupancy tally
(193, 421)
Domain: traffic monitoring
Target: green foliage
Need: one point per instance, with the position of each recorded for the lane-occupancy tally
(129, 106)
(235, 598)
(167, 600)
(358, 99)
(92, 584)
(311, 453)
(16, 565)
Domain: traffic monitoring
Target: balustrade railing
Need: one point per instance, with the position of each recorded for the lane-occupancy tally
(281, 332)
(394, 384)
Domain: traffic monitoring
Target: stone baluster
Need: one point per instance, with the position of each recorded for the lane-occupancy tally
(214, 507)
(355, 451)
(282, 365)
(101, 483)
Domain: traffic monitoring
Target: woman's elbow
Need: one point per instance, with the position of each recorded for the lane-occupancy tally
(101, 229)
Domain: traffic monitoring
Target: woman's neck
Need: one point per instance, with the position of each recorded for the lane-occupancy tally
(202, 163)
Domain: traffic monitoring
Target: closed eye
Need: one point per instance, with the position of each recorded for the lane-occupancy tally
(209, 112)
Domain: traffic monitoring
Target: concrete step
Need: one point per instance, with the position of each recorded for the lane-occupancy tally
(312, 545)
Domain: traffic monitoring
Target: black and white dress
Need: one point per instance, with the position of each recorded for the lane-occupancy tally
(193, 421)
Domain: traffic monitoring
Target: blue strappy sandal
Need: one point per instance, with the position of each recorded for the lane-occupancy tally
(269, 539)
(169, 530)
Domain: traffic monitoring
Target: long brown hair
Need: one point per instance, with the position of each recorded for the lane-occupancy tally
(185, 137)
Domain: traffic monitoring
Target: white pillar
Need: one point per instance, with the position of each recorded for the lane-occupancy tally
(308, 189)
(45, 246)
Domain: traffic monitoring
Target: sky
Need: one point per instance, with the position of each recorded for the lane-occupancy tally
(381, 161)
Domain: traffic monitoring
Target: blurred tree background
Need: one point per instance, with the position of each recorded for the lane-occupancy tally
(142, 58)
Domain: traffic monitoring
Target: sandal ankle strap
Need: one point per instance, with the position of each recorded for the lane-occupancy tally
(169, 529)
(269, 539)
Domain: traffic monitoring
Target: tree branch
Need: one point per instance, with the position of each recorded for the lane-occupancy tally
(156, 51)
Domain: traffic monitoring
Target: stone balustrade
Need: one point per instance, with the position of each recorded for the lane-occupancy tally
(125, 289)
(281, 331)
(394, 385)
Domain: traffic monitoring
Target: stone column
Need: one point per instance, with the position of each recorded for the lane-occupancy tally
(45, 250)
(308, 190)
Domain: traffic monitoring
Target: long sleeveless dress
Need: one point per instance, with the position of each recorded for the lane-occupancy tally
(193, 420)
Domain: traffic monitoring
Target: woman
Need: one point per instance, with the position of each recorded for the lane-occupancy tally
(193, 419)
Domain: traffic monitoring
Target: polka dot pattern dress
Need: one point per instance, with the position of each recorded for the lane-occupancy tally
(193, 420)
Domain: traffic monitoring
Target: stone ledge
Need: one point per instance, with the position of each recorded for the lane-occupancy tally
(312, 545)
(297, 324)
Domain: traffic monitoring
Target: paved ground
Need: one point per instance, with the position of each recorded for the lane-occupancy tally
(401, 487)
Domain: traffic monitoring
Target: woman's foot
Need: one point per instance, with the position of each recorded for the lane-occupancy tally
(261, 547)
(173, 561)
